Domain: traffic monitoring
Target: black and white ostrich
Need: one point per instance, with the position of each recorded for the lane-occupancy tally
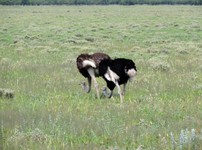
(88, 66)
(116, 72)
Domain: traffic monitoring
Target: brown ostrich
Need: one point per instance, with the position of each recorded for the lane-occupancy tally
(88, 66)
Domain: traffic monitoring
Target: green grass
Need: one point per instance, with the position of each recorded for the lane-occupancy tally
(38, 50)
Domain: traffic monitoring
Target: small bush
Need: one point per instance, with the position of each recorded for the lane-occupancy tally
(159, 65)
(6, 93)
(21, 137)
(5, 61)
(90, 39)
(186, 140)
(183, 52)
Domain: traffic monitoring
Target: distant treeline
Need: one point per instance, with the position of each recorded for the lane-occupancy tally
(99, 2)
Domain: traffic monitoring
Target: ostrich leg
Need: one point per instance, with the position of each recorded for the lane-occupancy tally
(85, 87)
(119, 91)
(92, 75)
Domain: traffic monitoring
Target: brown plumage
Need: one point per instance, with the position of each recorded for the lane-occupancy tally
(88, 66)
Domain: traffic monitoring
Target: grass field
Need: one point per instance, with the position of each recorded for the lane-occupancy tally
(42, 105)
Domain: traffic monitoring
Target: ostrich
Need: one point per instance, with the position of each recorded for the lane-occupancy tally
(116, 72)
(88, 66)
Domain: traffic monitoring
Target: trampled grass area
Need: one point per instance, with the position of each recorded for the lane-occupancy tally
(43, 106)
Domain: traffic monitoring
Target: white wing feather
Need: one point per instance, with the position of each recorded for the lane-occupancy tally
(89, 63)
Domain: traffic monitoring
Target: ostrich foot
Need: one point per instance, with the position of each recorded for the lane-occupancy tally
(105, 92)
(85, 87)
